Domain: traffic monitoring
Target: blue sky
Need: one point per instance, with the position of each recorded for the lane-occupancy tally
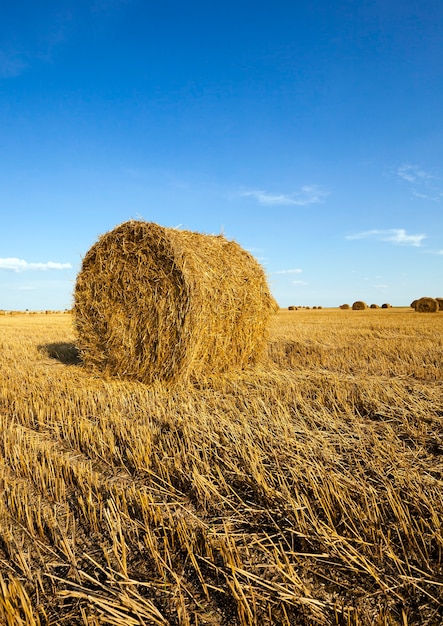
(311, 133)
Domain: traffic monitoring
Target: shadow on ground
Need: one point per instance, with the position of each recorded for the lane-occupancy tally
(66, 353)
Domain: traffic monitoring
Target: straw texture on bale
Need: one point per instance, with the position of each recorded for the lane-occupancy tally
(414, 304)
(359, 305)
(426, 305)
(160, 303)
(440, 303)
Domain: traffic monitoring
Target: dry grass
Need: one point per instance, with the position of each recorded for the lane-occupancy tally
(427, 305)
(154, 302)
(359, 305)
(305, 491)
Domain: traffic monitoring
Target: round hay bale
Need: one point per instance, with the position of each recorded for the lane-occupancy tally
(160, 303)
(440, 303)
(292, 308)
(374, 306)
(426, 305)
(414, 304)
(386, 306)
(345, 306)
(359, 305)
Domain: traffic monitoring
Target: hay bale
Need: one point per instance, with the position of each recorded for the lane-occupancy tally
(374, 306)
(359, 305)
(292, 308)
(414, 304)
(345, 306)
(386, 306)
(440, 303)
(426, 305)
(160, 303)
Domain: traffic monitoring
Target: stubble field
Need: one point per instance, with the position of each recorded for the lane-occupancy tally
(306, 490)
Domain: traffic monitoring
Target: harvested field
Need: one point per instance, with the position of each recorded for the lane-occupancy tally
(305, 490)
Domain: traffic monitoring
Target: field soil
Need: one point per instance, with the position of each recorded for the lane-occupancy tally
(305, 490)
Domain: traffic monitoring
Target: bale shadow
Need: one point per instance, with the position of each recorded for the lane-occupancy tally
(66, 353)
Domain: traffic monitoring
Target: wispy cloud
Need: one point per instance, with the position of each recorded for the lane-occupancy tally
(20, 52)
(423, 184)
(20, 265)
(438, 195)
(107, 6)
(11, 64)
(291, 271)
(308, 194)
(413, 173)
(438, 252)
(397, 236)
(25, 287)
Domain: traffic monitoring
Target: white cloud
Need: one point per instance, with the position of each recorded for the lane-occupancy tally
(20, 265)
(422, 183)
(293, 271)
(397, 236)
(426, 196)
(413, 173)
(11, 64)
(309, 194)
(439, 252)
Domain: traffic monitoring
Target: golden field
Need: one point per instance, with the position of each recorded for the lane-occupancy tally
(306, 490)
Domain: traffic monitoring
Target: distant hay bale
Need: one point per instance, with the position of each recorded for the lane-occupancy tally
(359, 305)
(374, 306)
(292, 308)
(160, 303)
(414, 304)
(345, 306)
(426, 305)
(386, 306)
(440, 303)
